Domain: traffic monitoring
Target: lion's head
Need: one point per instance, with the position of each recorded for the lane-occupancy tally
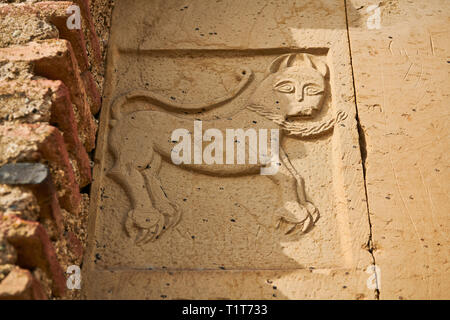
(294, 86)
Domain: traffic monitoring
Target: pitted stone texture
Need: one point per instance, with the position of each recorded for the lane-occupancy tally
(34, 203)
(15, 70)
(47, 20)
(40, 142)
(20, 201)
(25, 101)
(25, 22)
(402, 73)
(32, 101)
(5, 268)
(38, 18)
(8, 255)
(54, 60)
(34, 249)
(19, 27)
(20, 284)
(40, 203)
(23, 173)
(41, 20)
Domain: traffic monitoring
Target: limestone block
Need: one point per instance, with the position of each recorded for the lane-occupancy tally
(201, 229)
(402, 90)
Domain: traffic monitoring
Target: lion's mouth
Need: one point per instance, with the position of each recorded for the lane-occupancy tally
(304, 112)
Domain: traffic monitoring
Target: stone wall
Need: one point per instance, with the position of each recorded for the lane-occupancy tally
(51, 80)
(379, 179)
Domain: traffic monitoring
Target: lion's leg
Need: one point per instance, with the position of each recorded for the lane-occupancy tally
(143, 218)
(300, 187)
(159, 198)
(295, 213)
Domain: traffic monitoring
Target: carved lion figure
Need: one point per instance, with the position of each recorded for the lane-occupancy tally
(293, 87)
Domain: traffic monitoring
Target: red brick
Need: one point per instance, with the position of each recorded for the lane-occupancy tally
(42, 143)
(56, 12)
(54, 60)
(18, 200)
(51, 216)
(39, 203)
(53, 12)
(34, 249)
(94, 95)
(20, 284)
(37, 21)
(93, 38)
(32, 101)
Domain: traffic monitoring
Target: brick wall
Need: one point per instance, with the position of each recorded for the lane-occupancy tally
(51, 81)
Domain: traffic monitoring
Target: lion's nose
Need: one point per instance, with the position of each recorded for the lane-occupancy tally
(299, 95)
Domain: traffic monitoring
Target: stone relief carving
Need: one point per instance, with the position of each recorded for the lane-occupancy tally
(293, 88)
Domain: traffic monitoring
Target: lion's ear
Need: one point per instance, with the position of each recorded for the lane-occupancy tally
(280, 63)
(286, 60)
(321, 67)
(310, 61)
(307, 60)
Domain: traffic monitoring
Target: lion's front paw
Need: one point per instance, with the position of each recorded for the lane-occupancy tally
(144, 225)
(295, 218)
(293, 228)
(313, 211)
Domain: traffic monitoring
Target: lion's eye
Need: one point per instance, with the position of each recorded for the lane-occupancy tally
(311, 90)
(285, 87)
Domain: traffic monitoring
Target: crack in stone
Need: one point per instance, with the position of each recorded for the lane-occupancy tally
(363, 150)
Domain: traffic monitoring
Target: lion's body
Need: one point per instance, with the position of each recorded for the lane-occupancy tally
(146, 132)
(139, 141)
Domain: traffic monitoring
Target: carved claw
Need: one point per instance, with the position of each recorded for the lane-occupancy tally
(299, 228)
(313, 211)
(144, 225)
(307, 215)
(130, 228)
(149, 235)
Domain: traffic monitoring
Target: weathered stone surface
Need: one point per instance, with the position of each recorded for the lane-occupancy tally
(40, 203)
(5, 268)
(20, 201)
(226, 244)
(85, 6)
(15, 70)
(32, 101)
(20, 284)
(34, 202)
(8, 256)
(28, 98)
(54, 60)
(229, 284)
(23, 23)
(34, 249)
(27, 101)
(156, 223)
(23, 173)
(19, 25)
(41, 142)
(402, 75)
(95, 100)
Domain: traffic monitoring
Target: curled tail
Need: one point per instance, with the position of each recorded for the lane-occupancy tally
(244, 76)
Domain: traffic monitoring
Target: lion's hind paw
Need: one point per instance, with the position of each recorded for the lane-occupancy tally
(144, 227)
